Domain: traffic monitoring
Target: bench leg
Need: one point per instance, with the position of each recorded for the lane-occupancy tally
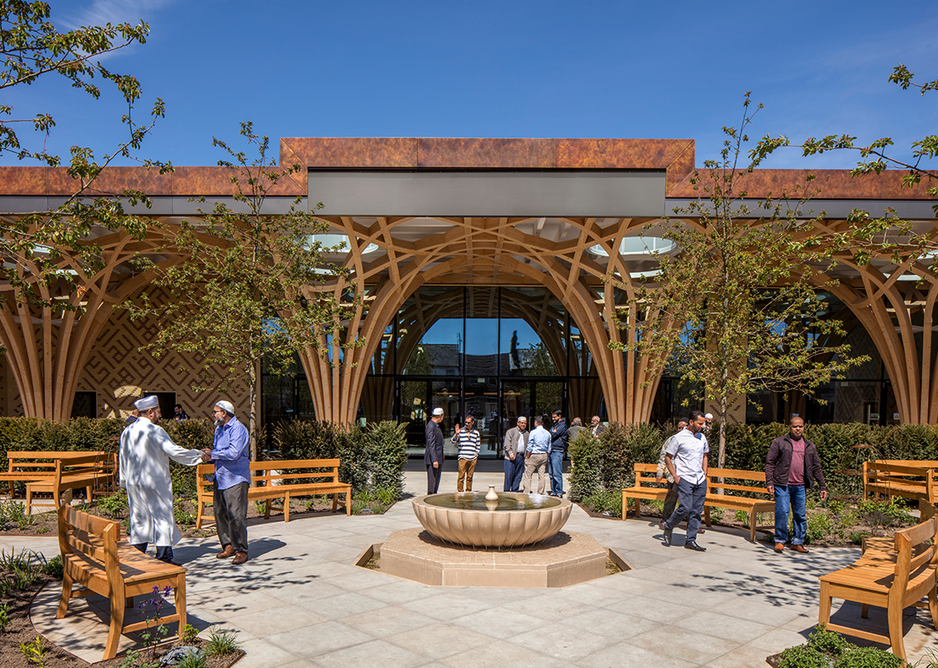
(894, 613)
(824, 612)
(753, 517)
(198, 517)
(933, 607)
(66, 595)
(118, 602)
(286, 507)
(707, 515)
(348, 503)
(180, 600)
(335, 502)
(267, 509)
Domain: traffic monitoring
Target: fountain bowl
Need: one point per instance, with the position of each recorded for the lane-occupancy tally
(465, 518)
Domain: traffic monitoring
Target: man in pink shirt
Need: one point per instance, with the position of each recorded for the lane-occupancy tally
(790, 467)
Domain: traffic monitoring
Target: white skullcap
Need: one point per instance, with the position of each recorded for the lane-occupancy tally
(225, 406)
(147, 403)
(437, 412)
(709, 416)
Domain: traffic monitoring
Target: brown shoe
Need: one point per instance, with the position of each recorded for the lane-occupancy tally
(779, 547)
(800, 548)
(227, 552)
(240, 558)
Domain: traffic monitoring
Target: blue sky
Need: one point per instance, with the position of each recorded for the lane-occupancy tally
(504, 69)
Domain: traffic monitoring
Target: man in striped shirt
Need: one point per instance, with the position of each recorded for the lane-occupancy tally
(468, 442)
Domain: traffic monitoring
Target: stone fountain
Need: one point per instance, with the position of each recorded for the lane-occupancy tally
(494, 540)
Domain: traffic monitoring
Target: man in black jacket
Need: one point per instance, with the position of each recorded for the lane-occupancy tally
(433, 457)
(558, 445)
(790, 467)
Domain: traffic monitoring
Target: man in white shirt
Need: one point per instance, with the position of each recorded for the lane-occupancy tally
(145, 451)
(686, 460)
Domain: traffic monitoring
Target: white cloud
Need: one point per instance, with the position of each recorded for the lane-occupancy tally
(99, 12)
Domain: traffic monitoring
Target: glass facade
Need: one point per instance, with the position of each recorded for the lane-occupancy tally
(496, 353)
(502, 352)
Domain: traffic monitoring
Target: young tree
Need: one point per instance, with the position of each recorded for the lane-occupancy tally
(250, 285)
(736, 306)
(886, 233)
(52, 247)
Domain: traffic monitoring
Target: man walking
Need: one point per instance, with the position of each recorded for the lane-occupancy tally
(558, 446)
(433, 456)
(670, 501)
(516, 443)
(230, 452)
(145, 451)
(536, 456)
(686, 460)
(468, 443)
(790, 467)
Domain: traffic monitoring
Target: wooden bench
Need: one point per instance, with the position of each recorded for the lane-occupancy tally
(644, 489)
(95, 558)
(895, 581)
(281, 480)
(910, 479)
(73, 473)
(97, 470)
(752, 482)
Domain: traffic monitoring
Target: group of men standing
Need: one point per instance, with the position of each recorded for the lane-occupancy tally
(145, 451)
(526, 453)
(791, 466)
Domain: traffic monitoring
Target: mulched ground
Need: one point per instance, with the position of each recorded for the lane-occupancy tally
(728, 519)
(20, 630)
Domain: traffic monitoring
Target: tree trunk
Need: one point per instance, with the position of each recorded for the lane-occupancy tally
(252, 410)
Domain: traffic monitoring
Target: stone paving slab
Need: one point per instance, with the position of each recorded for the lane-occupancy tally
(300, 603)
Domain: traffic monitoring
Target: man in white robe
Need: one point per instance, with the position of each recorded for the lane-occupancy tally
(144, 472)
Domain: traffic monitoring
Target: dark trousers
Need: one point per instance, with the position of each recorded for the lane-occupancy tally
(514, 471)
(231, 513)
(433, 478)
(692, 497)
(670, 501)
(164, 553)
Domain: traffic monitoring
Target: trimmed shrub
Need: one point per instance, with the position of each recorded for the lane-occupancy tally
(586, 463)
(387, 452)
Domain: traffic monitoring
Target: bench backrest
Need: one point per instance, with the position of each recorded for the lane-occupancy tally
(735, 480)
(910, 560)
(645, 474)
(44, 462)
(311, 470)
(94, 537)
(886, 473)
(275, 473)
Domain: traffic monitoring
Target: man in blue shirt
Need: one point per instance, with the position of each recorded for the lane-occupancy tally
(535, 456)
(230, 453)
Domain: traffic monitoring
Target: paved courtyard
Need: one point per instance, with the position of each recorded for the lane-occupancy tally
(300, 601)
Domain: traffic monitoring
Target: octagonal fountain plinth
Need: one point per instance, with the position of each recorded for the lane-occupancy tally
(512, 541)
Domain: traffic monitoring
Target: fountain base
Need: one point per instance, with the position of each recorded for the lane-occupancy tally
(565, 559)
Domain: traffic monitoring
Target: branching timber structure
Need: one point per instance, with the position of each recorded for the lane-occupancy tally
(555, 213)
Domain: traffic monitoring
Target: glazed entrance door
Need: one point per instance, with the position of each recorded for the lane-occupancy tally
(481, 400)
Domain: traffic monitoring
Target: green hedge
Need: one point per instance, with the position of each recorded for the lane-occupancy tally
(605, 464)
(372, 458)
